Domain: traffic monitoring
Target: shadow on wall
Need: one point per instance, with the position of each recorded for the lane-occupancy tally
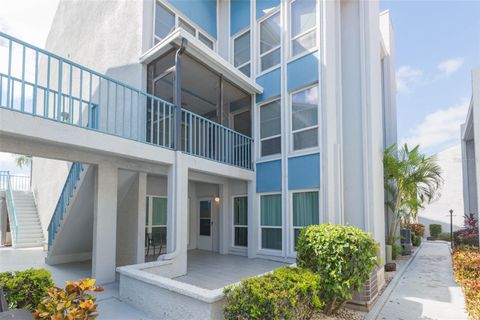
(441, 221)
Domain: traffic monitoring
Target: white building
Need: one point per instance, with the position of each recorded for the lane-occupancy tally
(287, 107)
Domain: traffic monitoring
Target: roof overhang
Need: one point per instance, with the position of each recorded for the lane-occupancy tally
(204, 54)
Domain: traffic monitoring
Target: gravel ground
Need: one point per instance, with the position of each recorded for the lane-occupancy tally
(342, 314)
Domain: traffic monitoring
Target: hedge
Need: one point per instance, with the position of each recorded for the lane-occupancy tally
(466, 266)
(435, 229)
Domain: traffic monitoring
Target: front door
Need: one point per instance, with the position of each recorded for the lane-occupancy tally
(205, 230)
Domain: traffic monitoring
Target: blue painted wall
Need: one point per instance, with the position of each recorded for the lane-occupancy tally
(271, 85)
(202, 12)
(304, 172)
(239, 15)
(269, 176)
(264, 6)
(303, 71)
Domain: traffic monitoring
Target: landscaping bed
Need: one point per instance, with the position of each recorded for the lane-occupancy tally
(466, 266)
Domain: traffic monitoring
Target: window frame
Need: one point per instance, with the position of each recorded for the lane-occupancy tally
(232, 52)
(260, 139)
(291, 240)
(239, 225)
(291, 38)
(177, 17)
(260, 226)
(259, 41)
(290, 124)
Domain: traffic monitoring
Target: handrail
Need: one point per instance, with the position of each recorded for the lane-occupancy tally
(18, 182)
(64, 200)
(11, 209)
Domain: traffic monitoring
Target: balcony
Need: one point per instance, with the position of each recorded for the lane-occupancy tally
(36, 82)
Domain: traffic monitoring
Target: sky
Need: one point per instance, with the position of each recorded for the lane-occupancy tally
(437, 45)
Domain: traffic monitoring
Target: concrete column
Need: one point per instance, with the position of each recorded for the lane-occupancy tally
(105, 224)
(177, 221)
(224, 214)
(476, 132)
(253, 219)
(142, 194)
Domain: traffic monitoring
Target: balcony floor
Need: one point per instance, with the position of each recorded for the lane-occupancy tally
(210, 270)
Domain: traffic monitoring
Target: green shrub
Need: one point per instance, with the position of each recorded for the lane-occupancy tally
(25, 289)
(286, 293)
(343, 256)
(444, 236)
(435, 229)
(416, 240)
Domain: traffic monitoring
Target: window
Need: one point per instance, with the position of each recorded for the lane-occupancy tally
(270, 128)
(305, 211)
(305, 118)
(166, 21)
(241, 53)
(156, 220)
(270, 33)
(303, 22)
(240, 221)
(271, 221)
(205, 218)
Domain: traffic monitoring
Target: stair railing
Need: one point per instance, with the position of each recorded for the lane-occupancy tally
(10, 205)
(66, 196)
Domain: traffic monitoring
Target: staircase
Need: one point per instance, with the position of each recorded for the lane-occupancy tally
(29, 228)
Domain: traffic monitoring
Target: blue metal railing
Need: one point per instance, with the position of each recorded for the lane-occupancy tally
(12, 213)
(205, 138)
(71, 183)
(39, 83)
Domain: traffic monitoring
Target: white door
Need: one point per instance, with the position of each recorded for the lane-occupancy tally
(205, 226)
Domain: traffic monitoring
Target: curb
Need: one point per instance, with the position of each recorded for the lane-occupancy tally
(375, 311)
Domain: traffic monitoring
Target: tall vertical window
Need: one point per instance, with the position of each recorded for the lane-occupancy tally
(271, 221)
(156, 220)
(270, 34)
(164, 21)
(270, 128)
(303, 22)
(305, 118)
(305, 211)
(241, 53)
(240, 221)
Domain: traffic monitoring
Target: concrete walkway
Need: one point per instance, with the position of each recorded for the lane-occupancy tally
(427, 289)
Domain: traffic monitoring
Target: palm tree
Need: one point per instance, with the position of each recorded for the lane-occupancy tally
(23, 160)
(412, 179)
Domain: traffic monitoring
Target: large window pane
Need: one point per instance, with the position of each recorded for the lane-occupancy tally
(186, 26)
(270, 33)
(241, 236)
(159, 211)
(241, 49)
(271, 146)
(271, 59)
(164, 21)
(305, 139)
(205, 40)
(305, 208)
(304, 43)
(271, 210)
(305, 108)
(272, 238)
(270, 119)
(240, 207)
(303, 16)
(245, 70)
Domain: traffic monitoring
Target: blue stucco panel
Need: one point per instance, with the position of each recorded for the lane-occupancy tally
(239, 15)
(269, 176)
(271, 85)
(265, 6)
(202, 12)
(302, 72)
(304, 172)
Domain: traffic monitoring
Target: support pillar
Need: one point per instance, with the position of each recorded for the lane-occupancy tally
(253, 226)
(142, 208)
(105, 224)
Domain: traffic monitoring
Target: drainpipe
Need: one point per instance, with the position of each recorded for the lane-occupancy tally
(177, 96)
(177, 100)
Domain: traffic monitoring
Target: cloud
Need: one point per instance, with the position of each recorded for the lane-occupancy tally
(449, 66)
(439, 129)
(407, 78)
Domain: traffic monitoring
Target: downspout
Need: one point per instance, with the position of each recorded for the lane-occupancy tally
(177, 96)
